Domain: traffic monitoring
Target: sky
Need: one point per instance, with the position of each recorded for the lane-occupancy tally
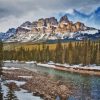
(14, 12)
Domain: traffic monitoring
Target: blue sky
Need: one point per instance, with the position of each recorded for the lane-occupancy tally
(15, 12)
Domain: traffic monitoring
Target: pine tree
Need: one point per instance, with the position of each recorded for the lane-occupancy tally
(88, 59)
(1, 57)
(92, 53)
(98, 55)
(70, 53)
(43, 52)
(58, 52)
(47, 54)
(83, 52)
(66, 55)
(1, 94)
(11, 94)
(76, 53)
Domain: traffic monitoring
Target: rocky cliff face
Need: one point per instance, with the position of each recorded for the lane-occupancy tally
(21, 30)
(64, 19)
(51, 29)
(26, 24)
(51, 25)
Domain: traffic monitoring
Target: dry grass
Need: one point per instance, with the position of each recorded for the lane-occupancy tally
(30, 46)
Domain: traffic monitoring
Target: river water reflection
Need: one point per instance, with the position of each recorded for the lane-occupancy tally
(88, 87)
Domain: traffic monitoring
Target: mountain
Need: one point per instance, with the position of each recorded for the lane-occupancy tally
(8, 34)
(91, 19)
(51, 29)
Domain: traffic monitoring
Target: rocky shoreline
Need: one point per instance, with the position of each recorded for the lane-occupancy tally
(80, 70)
(40, 85)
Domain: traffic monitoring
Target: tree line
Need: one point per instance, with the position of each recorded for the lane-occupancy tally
(81, 52)
(1, 59)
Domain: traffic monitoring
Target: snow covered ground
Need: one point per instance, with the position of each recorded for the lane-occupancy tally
(89, 31)
(18, 83)
(83, 67)
(25, 77)
(49, 64)
(92, 67)
(30, 62)
(22, 94)
(45, 65)
(9, 68)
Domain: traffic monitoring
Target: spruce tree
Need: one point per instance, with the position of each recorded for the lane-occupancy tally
(70, 53)
(58, 52)
(47, 54)
(11, 94)
(1, 57)
(98, 55)
(1, 94)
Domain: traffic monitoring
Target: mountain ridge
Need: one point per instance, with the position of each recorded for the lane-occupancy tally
(8, 34)
(45, 29)
(91, 19)
(51, 29)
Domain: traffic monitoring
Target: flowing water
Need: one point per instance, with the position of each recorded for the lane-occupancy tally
(88, 86)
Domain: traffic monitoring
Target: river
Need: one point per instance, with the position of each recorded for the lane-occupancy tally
(88, 86)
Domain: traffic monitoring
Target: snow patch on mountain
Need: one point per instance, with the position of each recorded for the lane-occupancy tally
(89, 31)
(27, 28)
(8, 34)
(41, 37)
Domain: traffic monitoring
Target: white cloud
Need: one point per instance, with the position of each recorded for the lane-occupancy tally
(15, 12)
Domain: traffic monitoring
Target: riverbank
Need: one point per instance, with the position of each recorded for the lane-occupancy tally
(87, 70)
(38, 84)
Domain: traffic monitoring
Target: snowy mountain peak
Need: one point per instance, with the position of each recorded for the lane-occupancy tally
(51, 29)
(11, 30)
(26, 24)
(8, 34)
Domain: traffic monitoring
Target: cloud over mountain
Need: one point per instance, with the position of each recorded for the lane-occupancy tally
(14, 12)
(90, 19)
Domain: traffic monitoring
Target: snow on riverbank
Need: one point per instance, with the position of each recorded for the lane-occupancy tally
(4, 90)
(18, 83)
(45, 65)
(21, 95)
(16, 61)
(50, 64)
(25, 77)
(9, 68)
(91, 67)
(24, 95)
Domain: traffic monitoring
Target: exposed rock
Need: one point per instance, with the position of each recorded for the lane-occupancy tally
(26, 24)
(59, 82)
(64, 19)
(12, 86)
(21, 30)
(51, 21)
(79, 26)
(45, 29)
(34, 24)
(41, 23)
(40, 85)
(50, 25)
